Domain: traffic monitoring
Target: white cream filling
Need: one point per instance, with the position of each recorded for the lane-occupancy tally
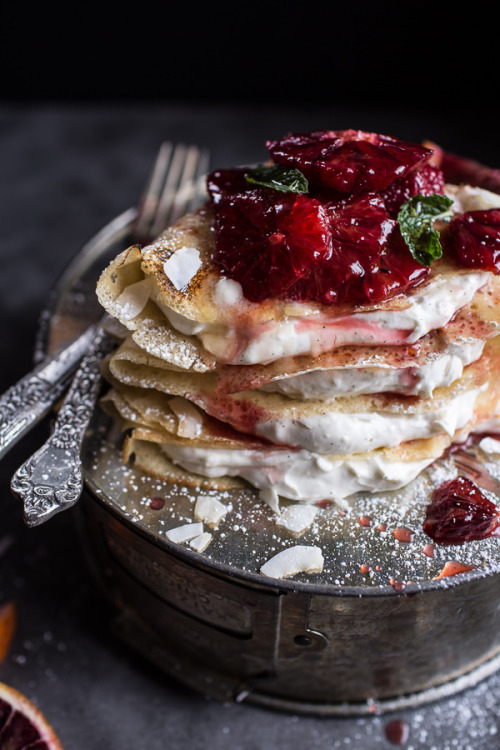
(428, 309)
(354, 381)
(301, 476)
(337, 433)
(469, 198)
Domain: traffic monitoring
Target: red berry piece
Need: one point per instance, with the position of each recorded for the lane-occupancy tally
(396, 272)
(368, 278)
(269, 241)
(226, 182)
(360, 228)
(458, 169)
(459, 513)
(425, 180)
(348, 161)
(363, 223)
(474, 239)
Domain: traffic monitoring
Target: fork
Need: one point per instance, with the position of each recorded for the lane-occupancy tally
(472, 468)
(51, 480)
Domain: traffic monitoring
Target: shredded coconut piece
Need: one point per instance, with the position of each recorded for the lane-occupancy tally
(293, 560)
(210, 510)
(201, 542)
(184, 533)
(297, 518)
(190, 421)
(134, 299)
(182, 266)
(490, 445)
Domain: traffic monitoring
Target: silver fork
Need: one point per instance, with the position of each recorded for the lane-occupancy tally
(472, 468)
(51, 480)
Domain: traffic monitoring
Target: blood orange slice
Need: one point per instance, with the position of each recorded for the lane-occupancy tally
(22, 725)
(349, 161)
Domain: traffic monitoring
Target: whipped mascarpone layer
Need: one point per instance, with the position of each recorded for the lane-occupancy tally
(355, 381)
(301, 476)
(428, 308)
(335, 432)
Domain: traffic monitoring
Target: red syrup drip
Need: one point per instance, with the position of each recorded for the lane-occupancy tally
(324, 504)
(453, 568)
(398, 586)
(474, 438)
(397, 732)
(459, 513)
(156, 503)
(403, 535)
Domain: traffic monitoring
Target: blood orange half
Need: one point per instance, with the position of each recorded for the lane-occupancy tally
(22, 725)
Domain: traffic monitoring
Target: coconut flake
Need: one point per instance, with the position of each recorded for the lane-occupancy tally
(293, 560)
(490, 445)
(190, 421)
(201, 542)
(182, 266)
(185, 532)
(271, 498)
(134, 299)
(210, 510)
(297, 518)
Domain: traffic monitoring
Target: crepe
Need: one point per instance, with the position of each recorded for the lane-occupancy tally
(299, 400)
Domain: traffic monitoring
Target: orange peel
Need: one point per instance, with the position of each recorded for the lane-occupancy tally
(8, 622)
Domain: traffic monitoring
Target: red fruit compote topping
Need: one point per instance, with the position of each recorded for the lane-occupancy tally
(324, 223)
(459, 513)
(349, 161)
(333, 239)
(474, 239)
(270, 243)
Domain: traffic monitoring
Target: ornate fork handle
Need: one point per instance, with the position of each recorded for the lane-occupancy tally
(51, 479)
(31, 398)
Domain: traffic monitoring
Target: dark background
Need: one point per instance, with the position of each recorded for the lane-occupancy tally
(420, 56)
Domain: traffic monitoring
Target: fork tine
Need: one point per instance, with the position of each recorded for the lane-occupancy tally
(173, 188)
(195, 166)
(472, 468)
(148, 204)
(178, 186)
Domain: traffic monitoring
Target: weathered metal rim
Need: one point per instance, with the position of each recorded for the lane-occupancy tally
(247, 577)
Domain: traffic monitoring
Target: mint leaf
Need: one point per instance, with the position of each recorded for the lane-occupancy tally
(278, 177)
(416, 218)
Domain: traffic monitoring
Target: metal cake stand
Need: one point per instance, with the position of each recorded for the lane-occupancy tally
(376, 627)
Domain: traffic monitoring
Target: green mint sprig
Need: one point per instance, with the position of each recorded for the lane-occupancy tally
(416, 218)
(278, 177)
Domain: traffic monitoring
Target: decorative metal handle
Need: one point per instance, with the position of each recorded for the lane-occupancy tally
(51, 480)
(25, 403)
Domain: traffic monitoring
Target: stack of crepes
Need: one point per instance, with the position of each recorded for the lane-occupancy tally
(332, 383)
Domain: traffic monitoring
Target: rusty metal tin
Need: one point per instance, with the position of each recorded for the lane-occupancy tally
(376, 627)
